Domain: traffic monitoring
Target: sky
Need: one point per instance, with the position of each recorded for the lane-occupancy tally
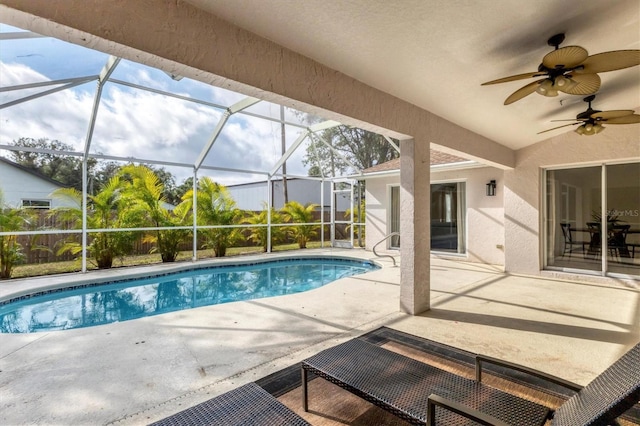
(133, 122)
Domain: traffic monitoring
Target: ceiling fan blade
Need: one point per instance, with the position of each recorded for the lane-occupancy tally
(516, 77)
(559, 127)
(572, 119)
(610, 61)
(522, 92)
(627, 119)
(566, 57)
(587, 84)
(607, 115)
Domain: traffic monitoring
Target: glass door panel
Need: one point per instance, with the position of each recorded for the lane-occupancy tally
(623, 218)
(395, 216)
(572, 221)
(447, 217)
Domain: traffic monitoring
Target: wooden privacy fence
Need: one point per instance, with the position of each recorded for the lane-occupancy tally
(42, 248)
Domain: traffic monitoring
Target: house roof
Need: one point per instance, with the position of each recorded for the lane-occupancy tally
(437, 158)
(31, 172)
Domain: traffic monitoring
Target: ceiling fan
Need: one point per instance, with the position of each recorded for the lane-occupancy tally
(591, 121)
(570, 70)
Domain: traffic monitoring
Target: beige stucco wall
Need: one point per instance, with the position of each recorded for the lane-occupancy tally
(377, 198)
(484, 215)
(522, 185)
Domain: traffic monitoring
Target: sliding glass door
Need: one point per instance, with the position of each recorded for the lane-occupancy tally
(573, 203)
(623, 218)
(579, 230)
(394, 219)
(448, 217)
(448, 212)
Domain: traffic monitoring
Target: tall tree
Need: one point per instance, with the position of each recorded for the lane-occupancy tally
(183, 188)
(169, 191)
(102, 175)
(361, 148)
(63, 168)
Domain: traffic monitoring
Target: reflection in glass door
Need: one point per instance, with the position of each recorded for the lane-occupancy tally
(573, 202)
(623, 218)
(575, 219)
(448, 217)
(394, 220)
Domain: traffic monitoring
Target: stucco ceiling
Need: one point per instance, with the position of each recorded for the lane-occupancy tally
(436, 53)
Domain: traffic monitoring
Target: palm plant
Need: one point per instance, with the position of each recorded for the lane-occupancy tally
(11, 219)
(612, 217)
(104, 210)
(259, 234)
(142, 193)
(216, 207)
(297, 213)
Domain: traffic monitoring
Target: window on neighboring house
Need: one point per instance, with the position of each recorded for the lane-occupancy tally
(37, 204)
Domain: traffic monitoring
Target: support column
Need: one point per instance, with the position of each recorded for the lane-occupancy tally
(415, 226)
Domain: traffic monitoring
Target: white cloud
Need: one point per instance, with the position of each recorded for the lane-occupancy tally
(142, 124)
(61, 115)
(146, 125)
(15, 74)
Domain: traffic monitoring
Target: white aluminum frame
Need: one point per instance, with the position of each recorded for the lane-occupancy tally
(238, 108)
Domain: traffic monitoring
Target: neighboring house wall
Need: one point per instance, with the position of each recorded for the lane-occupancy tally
(484, 215)
(18, 184)
(253, 196)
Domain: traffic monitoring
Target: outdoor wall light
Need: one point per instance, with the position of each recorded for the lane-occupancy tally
(491, 188)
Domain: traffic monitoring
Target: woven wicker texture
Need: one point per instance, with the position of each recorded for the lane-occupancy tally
(401, 386)
(608, 396)
(246, 405)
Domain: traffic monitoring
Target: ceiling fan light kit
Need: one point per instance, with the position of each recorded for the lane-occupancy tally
(591, 120)
(565, 82)
(589, 129)
(547, 88)
(550, 87)
(571, 70)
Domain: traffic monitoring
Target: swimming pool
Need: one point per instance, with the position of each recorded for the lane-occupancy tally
(128, 299)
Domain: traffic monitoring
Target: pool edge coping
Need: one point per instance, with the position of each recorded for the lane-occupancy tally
(8, 294)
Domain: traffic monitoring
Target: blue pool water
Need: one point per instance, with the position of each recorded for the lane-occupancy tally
(154, 295)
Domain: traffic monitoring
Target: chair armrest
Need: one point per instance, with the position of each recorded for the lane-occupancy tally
(435, 400)
(480, 359)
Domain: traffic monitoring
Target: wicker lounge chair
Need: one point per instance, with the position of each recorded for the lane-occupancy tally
(246, 405)
(411, 389)
(601, 402)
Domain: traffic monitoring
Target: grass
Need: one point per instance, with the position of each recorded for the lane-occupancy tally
(35, 270)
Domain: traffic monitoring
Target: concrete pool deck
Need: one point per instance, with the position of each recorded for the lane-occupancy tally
(139, 371)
